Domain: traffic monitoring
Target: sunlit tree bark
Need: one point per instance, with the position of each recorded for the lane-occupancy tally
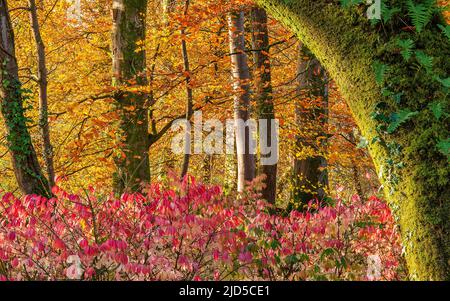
(47, 149)
(189, 91)
(129, 71)
(310, 178)
(241, 85)
(263, 93)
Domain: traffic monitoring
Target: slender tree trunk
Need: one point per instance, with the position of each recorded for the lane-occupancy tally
(231, 176)
(47, 148)
(241, 77)
(129, 70)
(309, 174)
(207, 168)
(189, 93)
(167, 7)
(30, 178)
(348, 46)
(263, 91)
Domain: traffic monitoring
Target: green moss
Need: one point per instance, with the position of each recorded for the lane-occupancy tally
(347, 45)
(26, 166)
(129, 68)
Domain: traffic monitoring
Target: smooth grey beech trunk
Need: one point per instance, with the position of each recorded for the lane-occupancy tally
(241, 85)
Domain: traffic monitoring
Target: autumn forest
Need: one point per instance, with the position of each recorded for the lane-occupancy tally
(224, 140)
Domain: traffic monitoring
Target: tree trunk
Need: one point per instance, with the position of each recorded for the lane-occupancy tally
(167, 8)
(189, 94)
(309, 174)
(133, 167)
(47, 148)
(355, 172)
(207, 168)
(347, 46)
(263, 93)
(25, 163)
(241, 77)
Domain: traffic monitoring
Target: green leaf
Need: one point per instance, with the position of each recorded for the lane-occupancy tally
(424, 60)
(397, 97)
(386, 92)
(380, 71)
(444, 147)
(387, 13)
(437, 109)
(303, 257)
(277, 259)
(349, 3)
(326, 253)
(398, 118)
(445, 30)
(406, 48)
(274, 244)
(375, 140)
(291, 259)
(444, 81)
(420, 14)
(342, 262)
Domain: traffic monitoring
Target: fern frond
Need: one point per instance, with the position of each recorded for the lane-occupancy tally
(445, 30)
(444, 81)
(437, 108)
(398, 118)
(444, 147)
(380, 71)
(406, 48)
(387, 13)
(421, 14)
(424, 60)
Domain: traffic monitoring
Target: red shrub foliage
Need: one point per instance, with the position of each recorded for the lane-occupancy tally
(191, 231)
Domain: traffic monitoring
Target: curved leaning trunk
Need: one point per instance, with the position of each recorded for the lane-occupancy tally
(346, 46)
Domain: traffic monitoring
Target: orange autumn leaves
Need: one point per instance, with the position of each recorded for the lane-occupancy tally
(83, 120)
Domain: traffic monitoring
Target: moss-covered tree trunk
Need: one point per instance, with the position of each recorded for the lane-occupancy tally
(27, 170)
(348, 47)
(129, 77)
